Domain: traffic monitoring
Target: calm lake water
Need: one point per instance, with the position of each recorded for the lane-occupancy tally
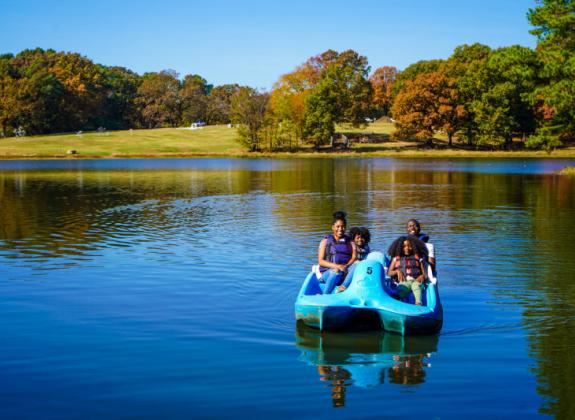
(165, 288)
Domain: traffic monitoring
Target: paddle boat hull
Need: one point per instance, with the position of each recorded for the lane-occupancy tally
(368, 303)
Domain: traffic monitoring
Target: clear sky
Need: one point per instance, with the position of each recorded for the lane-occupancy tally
(253, 42)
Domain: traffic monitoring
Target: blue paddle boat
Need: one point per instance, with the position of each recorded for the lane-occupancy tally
(369, 303)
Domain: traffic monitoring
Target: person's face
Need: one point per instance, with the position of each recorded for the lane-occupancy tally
(338, 229)
(412, 228)
(359, 240)
(407, 248)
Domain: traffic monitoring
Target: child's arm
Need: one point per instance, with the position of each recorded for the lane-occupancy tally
(393, 270)
(325, 263)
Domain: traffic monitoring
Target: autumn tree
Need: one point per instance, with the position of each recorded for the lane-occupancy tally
(382, 81)
(50, 91)
(288, 102)
(158, 99)
(219, 103)
(554, 22)
(412, 71)
(427, 104)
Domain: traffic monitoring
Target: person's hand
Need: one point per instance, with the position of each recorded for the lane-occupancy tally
(421, 278)
(400, 277)
(342, 268)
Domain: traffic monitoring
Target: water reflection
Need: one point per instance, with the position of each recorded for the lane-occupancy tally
(501, 228)
(364, 359)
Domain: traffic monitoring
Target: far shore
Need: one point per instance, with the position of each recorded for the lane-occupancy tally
(219, 141)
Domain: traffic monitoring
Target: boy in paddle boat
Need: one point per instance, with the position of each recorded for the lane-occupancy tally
(408, 254)
(335, 254)
(413, 228)
(361, 238)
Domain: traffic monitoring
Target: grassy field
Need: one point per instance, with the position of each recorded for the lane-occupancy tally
(214, 140)
(220, 141)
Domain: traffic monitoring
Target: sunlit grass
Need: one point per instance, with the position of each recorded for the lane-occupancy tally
(221, 141)
(569, 170)
(213, 140)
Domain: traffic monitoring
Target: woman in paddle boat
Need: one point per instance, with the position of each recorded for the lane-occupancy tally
(335, 254)
(408, 254)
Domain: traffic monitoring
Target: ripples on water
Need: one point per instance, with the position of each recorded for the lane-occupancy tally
(166, 287)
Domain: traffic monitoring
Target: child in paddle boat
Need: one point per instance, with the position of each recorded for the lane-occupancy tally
(408, 254)
(335, 254)
(361, 238)
(413, 228)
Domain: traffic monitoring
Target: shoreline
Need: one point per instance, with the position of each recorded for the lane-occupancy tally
(401, 154)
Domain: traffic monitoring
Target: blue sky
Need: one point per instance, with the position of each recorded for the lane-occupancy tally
(254, 42)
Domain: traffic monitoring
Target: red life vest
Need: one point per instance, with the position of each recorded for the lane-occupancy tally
(410, 265)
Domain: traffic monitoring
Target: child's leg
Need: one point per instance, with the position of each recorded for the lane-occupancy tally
(416, 289)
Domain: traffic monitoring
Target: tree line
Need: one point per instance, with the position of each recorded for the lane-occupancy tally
(481, 96)
(44, 91)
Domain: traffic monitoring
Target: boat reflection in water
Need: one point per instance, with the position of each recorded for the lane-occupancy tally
(364, 359)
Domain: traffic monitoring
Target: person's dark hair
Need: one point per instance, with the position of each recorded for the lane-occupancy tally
(361, 231)
(353, 232)
(339, 215)
(396, 247)
(364, 232)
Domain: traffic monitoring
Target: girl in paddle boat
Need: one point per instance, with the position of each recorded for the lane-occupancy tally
(335, 254)
(361, 238)
(408, 254)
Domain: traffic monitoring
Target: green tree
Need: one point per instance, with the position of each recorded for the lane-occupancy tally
(502, 108)
(248, 109)
(343, 94)
(194, 97)
(465, 65)
(121, 89)
(554, 22)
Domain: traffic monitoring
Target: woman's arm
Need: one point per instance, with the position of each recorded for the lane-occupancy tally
(325, 263)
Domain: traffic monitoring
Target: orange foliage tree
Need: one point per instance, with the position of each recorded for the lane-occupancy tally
(427, 104)
(382, 81)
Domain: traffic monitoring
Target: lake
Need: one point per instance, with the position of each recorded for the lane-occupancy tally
(151, 288)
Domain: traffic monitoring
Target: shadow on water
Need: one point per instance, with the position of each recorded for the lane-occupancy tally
(364, 359)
